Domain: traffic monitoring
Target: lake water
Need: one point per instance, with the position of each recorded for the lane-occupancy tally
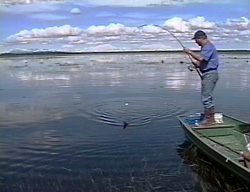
(107, 122)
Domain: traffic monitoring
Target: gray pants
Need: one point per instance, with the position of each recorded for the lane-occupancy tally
(208, 83)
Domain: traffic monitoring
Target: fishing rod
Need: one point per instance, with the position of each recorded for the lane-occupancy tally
(199, 73)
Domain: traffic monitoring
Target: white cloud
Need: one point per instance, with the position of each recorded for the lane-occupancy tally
(177, 24)
(180, 25)
(68, 48)
(76, 11)
(119, 36)
(143, 3)
(151, 29)
(133, 3)
(158, 47)
(104, 47)
(201, 22)
(39, 7)
(241, 23)
(246, 32)
(50, 32)
(75, 39)
(111, 29)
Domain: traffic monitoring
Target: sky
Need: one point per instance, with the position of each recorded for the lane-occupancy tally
(121, 25)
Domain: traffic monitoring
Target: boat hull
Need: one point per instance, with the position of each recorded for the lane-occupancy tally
(203, 138)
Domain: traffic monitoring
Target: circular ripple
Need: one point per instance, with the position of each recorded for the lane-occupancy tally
(132, 111)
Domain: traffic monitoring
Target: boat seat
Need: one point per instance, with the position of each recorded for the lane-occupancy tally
(215, 126)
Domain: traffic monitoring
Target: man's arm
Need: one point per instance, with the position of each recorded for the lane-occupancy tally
(195, 62)
(193, 55)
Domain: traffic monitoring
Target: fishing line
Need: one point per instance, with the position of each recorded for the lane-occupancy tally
(199, 73)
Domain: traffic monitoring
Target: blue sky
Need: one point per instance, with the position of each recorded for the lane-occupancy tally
(102, 25)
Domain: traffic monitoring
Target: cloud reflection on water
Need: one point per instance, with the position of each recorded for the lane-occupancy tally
(44, 88)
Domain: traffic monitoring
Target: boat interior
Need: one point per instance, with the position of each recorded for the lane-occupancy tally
(230, 136)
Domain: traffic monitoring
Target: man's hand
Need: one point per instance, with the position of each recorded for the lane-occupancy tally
(191, 68)
(187, 50)
(196, 64)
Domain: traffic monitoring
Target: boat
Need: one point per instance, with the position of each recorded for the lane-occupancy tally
(227, 141)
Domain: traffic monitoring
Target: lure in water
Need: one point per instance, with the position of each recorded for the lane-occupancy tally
(125, 125)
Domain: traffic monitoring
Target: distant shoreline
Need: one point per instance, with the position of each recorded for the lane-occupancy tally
(39, 53)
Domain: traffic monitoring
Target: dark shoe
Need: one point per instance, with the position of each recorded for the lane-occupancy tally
(205, 114)
(212, 111)
(208, 118)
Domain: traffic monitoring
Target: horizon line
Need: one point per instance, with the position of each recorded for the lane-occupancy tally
(41, 52)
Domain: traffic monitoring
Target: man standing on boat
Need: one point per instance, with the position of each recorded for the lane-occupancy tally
(207, 62)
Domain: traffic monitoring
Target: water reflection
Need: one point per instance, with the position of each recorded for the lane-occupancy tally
(43, 85)
(52, 79)
(209, 176)
(99, 68)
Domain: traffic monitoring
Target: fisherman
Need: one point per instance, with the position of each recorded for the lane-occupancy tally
(207, 62)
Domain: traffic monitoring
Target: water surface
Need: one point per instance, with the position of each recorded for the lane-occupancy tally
(107, 122)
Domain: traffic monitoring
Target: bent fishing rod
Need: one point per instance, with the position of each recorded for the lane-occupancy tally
(199, 73)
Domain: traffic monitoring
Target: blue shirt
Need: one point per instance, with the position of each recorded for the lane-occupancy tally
(210, 56)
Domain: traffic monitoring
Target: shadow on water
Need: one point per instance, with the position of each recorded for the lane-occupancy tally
(208, 175)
